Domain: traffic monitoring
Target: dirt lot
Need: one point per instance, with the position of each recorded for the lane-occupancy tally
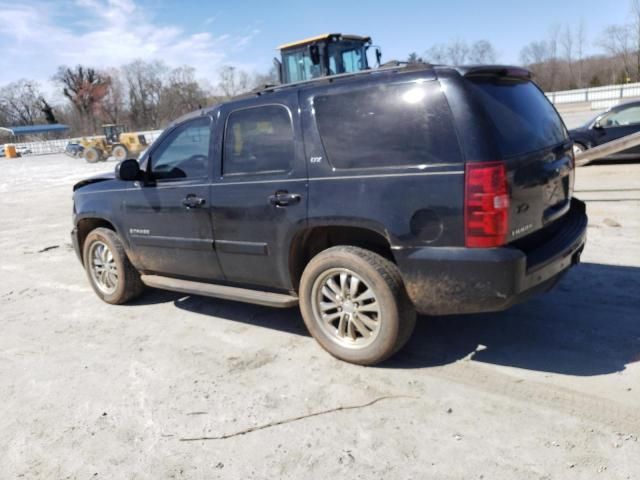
(549, 389)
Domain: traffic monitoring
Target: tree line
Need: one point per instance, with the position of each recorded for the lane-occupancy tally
(142, 95)
(558, 60)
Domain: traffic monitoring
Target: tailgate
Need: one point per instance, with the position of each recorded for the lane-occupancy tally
(541, 187)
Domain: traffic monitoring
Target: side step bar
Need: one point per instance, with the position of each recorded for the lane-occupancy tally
(269, 299)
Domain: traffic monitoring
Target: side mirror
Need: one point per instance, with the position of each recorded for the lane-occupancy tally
(379, 56)
(597, 125)
(314, 53)
(128, 170)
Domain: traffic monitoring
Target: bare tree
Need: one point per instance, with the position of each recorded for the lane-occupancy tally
(534, 53)
(616, 41)
(437, 54)
(233, 81)
(269, 78)
(552, 45)
(457, 51)
(580, 38)
(567, 43)
(181, 93)
(85, 87)
(541, 57)
(113, 104)
(144, 82)
(414, 58)
(482, 51)
(635, 26)
(20, 103)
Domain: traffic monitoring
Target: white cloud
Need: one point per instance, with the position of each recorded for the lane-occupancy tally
(37, 37)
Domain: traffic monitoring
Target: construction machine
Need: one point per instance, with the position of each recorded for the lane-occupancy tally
(116, 141)
(324, 55)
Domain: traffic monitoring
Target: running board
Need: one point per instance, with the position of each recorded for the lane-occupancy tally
(269, 299)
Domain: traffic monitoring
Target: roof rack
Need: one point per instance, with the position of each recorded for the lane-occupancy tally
(384, 68)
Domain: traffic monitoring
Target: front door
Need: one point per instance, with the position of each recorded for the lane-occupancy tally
(167, 217)
(259, 199)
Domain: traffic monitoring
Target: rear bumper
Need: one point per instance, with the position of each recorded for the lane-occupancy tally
(452, 280)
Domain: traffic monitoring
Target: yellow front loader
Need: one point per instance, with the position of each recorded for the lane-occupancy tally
(116, 142)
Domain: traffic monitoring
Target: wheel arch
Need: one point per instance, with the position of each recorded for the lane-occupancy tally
(86, 225)
(309, 242)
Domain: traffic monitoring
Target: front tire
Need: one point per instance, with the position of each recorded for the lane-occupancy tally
(120, 153)
(110, 273)
(92, 155)
(354, 303)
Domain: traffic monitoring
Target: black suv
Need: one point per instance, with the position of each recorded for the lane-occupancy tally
(363, 197)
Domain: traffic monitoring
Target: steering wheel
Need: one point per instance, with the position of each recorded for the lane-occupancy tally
(195, 163)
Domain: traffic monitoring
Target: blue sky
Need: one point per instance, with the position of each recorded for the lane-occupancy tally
(38, 35)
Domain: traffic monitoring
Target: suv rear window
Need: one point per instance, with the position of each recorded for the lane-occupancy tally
(387, 126)
(523, 118)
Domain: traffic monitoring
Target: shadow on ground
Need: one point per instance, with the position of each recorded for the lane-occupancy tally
(588, 325)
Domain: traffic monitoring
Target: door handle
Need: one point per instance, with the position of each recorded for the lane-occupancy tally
(283, 198)
(193, 201)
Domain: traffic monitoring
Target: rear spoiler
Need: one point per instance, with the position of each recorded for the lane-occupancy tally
(496, 71)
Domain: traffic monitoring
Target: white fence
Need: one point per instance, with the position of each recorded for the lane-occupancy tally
(58, 146)
(598, 97)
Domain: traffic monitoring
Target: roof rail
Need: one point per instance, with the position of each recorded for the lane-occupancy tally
(390, 66)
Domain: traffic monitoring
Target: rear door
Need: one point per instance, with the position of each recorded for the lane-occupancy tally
(259, 197)
(529, 136)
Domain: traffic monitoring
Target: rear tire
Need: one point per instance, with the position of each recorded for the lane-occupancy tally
(354, 303)
(92, 155)
(109, 270)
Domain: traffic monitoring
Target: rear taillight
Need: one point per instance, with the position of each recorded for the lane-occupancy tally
(486, 204)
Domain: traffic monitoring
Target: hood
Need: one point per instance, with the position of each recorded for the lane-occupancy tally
(95, 179)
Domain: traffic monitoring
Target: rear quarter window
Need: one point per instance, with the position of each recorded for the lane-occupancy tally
(522, 118)
(387, 125)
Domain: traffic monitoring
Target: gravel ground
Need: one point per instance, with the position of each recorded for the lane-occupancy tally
(548, 389)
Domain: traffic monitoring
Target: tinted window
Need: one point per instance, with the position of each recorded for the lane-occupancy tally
(258, 140)
(523, 118)
(185, 152)
(387, 126)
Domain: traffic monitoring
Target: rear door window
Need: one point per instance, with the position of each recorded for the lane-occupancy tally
(523, 119)
(258, 140)
(386, 125)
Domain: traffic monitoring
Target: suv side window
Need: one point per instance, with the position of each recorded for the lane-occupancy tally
(386, 125)
(185, 152)
(621, 118)
(258, 140)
